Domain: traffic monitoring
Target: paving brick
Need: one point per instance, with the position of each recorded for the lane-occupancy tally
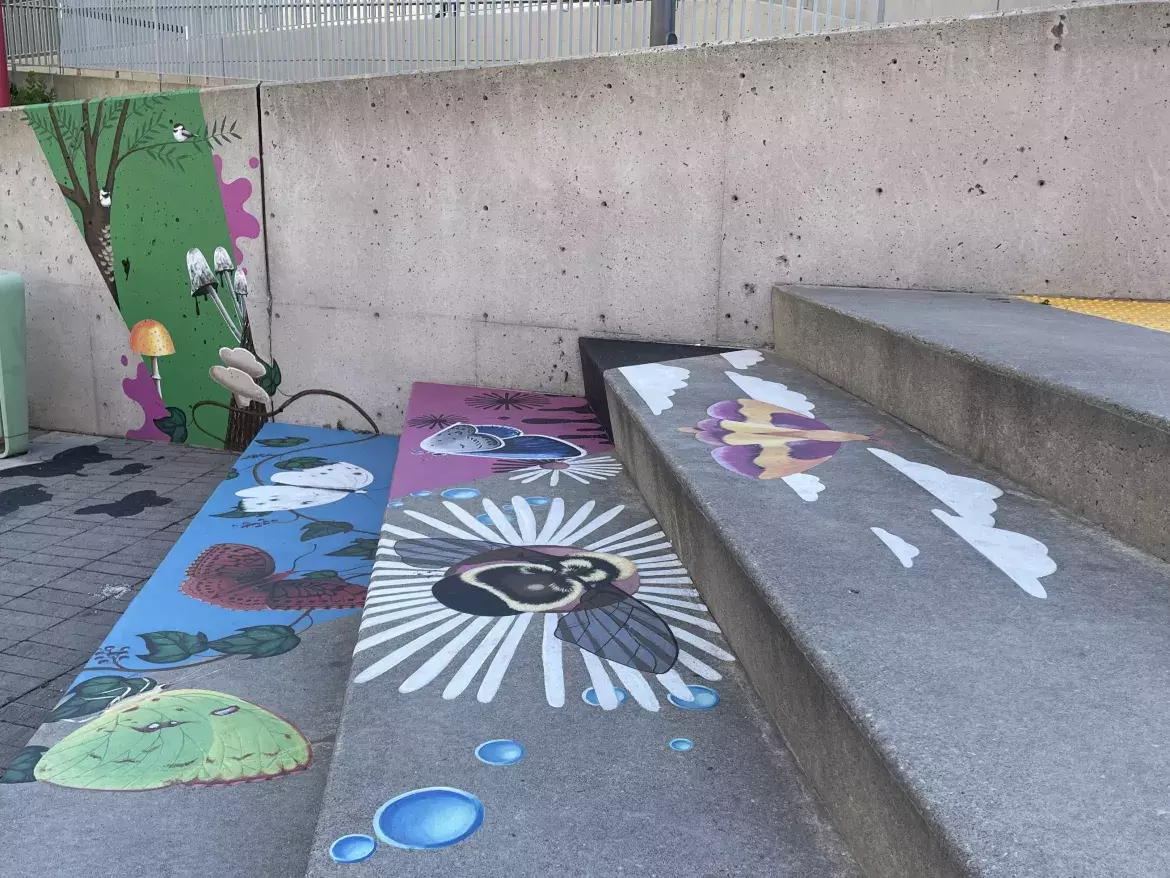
(7, 754)
(65, 597)
(38, 527)
(89, 540)
(80, 553)
(29, 542)
(44, 697)
(61, 564)
(72, 635)
(22, 714)
(26, 621)
(138, 570)
(41, 670)
(48, 653)
(30, 574)
(13, 590)
(14, 735)
(91, 581)
(17, 684)
(51, 609)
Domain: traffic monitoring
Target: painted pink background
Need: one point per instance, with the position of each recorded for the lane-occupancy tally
(417, 470)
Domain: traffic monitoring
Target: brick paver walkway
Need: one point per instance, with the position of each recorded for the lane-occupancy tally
(66, 577)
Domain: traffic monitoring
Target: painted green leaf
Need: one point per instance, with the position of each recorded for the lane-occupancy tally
(258, 641)
(174, 424)
(314, 530)
(322, 574)
(270, 381)
(298, 463)
(20, 770)
(97, 693)
(239, 512)
(283, 441)
(168, 647)
(361, 548)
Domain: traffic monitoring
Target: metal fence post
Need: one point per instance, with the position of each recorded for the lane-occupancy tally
(4, 95)
(662, 31)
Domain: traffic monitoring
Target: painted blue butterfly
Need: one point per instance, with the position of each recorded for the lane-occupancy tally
(498, 442)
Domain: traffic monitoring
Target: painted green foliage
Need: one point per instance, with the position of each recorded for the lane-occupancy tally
(139, 176)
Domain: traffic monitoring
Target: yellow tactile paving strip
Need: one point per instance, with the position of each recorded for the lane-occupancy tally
(1151, 315)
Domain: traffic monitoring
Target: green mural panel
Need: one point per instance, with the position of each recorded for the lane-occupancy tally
(140, 177)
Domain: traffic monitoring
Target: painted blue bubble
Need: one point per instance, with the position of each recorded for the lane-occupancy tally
(427, 819)
(460, 494)
(394, 504)
(538, 501)
(705, 699)
(589, 696)
(483, 518)
(420, 493)
(507, 507)
(352, 849)
(499, 752)
(682, 745)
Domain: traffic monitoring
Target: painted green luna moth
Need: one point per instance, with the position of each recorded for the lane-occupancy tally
(166, 738)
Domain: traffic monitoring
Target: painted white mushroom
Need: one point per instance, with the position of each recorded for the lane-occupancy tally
(199, 272)
(241, 384)
(222, 260)
(244, 360)
(240, 292)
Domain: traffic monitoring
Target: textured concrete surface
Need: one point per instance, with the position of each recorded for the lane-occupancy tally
(80, 83)
(65, 578)
(953, 723)
(598, 792)
(1072, 406)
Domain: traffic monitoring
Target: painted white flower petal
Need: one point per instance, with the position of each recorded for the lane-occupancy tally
(479, 655)
(656, 383)
(772, 392)
(552, 655)
(905, 552)
(742, 359)
(1021, 557)
(806, 486)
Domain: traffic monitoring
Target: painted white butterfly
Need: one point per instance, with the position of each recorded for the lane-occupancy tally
(308, 487)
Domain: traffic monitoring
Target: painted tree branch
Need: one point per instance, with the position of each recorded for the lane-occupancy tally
(117, 145)
(74, 194)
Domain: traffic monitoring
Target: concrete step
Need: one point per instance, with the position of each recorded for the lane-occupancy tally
(196, 740)
(472, 730)
(972, 679)
(601, 354)
(1070, 405)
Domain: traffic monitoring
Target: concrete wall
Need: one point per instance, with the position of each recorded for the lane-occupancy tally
(466, 226)
(79, 83)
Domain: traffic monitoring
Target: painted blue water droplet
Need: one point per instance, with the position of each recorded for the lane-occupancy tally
(483, 518)
(705, 699)
(682, 745)
(420, 493)
(394, 504)
(507, 507)
(352, 849)
(589, 696)
(427, 819)
(499, 752)
(538, 501)
(460, 494)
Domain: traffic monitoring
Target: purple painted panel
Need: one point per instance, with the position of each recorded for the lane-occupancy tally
(524, 429)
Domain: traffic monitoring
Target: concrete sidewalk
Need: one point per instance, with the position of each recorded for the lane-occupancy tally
(74, 551)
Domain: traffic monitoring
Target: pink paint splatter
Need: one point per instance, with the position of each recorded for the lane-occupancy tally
(235, 195)
(143, 391)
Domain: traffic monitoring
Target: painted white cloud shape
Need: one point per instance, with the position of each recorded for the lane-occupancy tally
(742, 359)
(903, 551)
(772, 392)
(806, 486)
(656, 383)
(1023, 559)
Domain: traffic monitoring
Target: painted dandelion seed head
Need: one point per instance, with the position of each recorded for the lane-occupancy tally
(433, 422)
(454, 597)
(581, 470)
(506, 400)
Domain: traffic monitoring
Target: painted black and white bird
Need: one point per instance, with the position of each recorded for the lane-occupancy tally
(105, 197)
(181, 133)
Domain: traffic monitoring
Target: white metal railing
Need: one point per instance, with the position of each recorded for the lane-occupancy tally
(313, 39)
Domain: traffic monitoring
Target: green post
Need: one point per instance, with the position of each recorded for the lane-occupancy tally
(13, 367)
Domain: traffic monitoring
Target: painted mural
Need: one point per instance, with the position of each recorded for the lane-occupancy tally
(457, 434)
(248, 581)
(146, 185)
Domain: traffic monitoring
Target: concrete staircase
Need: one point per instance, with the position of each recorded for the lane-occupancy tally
(972, 679)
